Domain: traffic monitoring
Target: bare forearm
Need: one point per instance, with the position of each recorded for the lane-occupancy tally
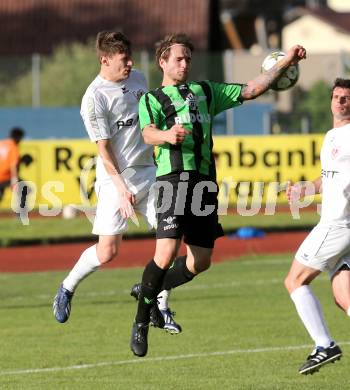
(318, 185)
(110, 163)
(263, 82)
(154, 136)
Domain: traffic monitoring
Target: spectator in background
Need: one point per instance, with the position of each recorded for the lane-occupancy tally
(9, 160)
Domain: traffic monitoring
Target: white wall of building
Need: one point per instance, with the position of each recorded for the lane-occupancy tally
(339, 5)
(316, 35)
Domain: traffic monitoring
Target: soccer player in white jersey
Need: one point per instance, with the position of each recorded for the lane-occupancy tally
(327, 247)
(125, 168)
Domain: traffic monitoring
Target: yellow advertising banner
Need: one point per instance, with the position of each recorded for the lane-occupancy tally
(54, 172)
(260, 166)
(61, 172)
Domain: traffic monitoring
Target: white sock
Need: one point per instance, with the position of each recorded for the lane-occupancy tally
(348, 312)
(162, 299)
(310, 312)
(87, 263)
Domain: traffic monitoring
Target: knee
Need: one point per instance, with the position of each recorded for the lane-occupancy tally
(338, 303)
(342, 303)
(202, 264)
(107, 253)
(287, 284)
(291, 283)
(164, 258)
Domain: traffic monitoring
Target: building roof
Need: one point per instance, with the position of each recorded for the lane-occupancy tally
(340, 20)
(28, 26)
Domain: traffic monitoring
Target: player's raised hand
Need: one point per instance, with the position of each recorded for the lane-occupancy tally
(295, 54)
(176, 134)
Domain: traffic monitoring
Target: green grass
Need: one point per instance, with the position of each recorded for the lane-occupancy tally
(238, 323)
(278, 221)
(50, 229)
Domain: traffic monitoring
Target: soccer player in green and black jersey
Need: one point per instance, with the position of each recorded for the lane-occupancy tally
(192, 107)
(177, 118)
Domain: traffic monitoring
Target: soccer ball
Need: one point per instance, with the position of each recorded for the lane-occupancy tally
(288, 78)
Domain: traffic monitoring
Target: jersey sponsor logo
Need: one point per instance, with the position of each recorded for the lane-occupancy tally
(189, 117)
(328, 174)
(191, 101)
(126, 123)
(171, 224)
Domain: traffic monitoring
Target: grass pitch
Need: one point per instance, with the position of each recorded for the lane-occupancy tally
(240, 331)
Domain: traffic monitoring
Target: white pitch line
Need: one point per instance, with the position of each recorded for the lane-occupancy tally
(158, 359)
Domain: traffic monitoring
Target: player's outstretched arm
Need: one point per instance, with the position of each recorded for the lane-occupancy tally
(263, 82)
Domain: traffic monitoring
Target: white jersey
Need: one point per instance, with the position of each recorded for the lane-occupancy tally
(335, 162)
(110, 111)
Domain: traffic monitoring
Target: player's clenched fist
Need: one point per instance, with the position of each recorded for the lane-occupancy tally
(295, 54)
(176, 134)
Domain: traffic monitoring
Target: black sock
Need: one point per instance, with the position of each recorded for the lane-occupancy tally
(177, 275)
(152, 280)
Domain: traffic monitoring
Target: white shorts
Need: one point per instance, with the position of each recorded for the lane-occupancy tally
(326, 248)
(108, 220)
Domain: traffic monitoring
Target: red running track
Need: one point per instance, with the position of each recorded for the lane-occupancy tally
(136, 253)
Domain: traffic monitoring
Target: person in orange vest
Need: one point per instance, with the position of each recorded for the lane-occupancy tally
(9, 159)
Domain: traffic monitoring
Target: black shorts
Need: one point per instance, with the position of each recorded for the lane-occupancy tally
(187, 207)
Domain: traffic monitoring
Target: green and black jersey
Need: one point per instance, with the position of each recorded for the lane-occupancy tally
(193, 105)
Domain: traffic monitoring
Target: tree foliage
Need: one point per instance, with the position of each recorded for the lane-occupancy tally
(315, 105)
(64, 77)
